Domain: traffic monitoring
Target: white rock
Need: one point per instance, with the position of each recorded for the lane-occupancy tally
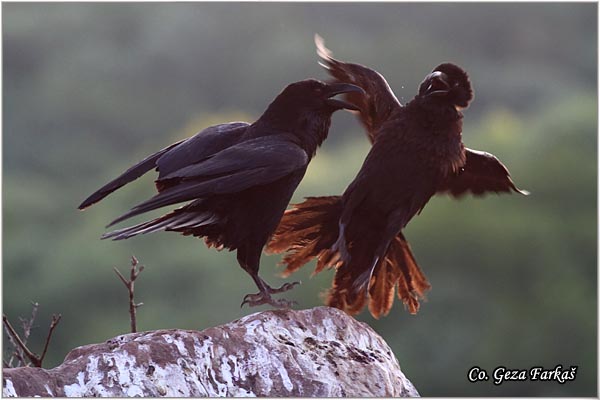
(321, 352)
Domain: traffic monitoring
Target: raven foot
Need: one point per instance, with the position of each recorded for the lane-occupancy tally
(265, 292)
(284, 288)
(257, 299)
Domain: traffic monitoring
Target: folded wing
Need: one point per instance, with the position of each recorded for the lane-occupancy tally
(251, 163)
(130, 175)
(203, 144)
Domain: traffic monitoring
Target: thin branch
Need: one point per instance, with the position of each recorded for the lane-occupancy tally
(130, 285)
(17, 352)
(28, 324)
(20, 346)
(19, 343)
(53, 323)
(125, 282)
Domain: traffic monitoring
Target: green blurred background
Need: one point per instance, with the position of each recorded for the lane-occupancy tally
(89, 89)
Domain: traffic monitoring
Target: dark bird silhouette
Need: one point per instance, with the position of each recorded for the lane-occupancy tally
(237, 177)
(417, 152)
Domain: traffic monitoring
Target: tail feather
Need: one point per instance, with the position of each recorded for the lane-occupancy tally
(382, 287)
(344, 296)
(418, 282)
(400, 270)
(142, 228)
(310, 230)
(182, 219)
(307, 231)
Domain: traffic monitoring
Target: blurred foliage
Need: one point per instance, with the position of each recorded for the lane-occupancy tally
(91, 88)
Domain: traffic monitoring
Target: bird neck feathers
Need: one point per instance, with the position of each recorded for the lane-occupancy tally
(309, 129)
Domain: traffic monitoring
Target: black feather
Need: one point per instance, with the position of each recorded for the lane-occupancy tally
(238, 177)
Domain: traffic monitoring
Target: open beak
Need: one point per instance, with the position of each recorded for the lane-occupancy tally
(438, 84)
(339, 88)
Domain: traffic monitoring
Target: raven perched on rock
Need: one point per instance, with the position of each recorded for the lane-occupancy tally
(237, 177)
(417, 152)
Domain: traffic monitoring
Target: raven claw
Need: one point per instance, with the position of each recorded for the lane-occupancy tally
(264, 296)
(257, 299)
(284, 288)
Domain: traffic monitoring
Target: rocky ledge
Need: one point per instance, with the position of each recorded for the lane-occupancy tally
(321, 352)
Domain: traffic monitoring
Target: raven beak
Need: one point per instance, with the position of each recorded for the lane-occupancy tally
(339, 88)
(437, 84)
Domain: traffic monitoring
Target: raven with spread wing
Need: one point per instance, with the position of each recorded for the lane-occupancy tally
(417, 152)
(237, 178)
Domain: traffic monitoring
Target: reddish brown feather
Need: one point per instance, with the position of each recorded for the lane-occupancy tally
(310, 229)
(400, 270)
(307, 231)
(381, 290)
(346, 299)
(377, 105)
(415, 281)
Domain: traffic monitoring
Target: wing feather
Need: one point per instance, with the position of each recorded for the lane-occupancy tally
(252, 163)
(482, 173)
(377, 105)
(204, 144)
(175, 156)
(126, 177)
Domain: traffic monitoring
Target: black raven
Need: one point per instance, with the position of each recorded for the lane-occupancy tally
(237, 177)
(417, 152)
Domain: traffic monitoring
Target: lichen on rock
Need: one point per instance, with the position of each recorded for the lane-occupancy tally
(321, 352)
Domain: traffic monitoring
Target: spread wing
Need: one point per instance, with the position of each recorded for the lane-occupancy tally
(377, 105)
(203, 144)
(482, 173)
(251, 163)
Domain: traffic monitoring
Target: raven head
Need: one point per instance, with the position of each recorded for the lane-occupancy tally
(450, 82)
(314, 95)
(305, 109)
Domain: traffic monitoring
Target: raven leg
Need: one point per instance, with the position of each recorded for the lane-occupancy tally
(250, 261)
(264, 295)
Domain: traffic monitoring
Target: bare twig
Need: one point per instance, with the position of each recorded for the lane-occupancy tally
(16, 339)
(17, 351)
(136, 269)
(27, 324)
(53, 323)
(19, 344)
